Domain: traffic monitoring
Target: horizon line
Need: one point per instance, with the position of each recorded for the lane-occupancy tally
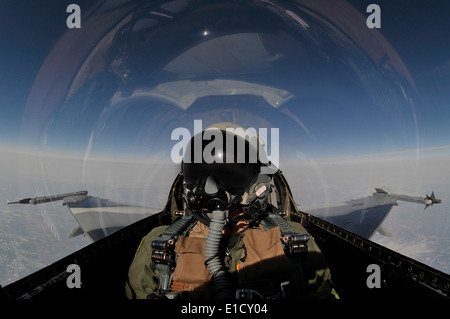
(369, 156)
(35, 151)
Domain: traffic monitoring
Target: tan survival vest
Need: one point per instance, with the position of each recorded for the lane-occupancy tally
(258, 259)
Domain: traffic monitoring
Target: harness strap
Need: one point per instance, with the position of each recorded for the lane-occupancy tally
(165, 276)
(183, 225)
(179, 227)
(273, 220)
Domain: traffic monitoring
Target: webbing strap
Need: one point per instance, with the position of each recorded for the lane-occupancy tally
(177, 228)
(273, 220)
(165, 276)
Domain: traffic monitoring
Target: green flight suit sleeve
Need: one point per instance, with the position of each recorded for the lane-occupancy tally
(317, 274)
(142, 274)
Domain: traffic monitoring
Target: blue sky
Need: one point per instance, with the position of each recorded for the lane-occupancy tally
(336, 125)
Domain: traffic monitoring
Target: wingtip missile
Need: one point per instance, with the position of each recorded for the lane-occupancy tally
(428, 200)
(47, 199)
(431, 200)
(21, 201)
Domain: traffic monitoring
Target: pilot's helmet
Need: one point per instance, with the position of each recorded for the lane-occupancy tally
(224, 166)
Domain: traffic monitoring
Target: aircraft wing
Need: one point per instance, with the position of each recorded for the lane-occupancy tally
(96, 217)
(365, 216)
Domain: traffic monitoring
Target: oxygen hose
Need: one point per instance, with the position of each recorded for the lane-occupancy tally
(213, 262)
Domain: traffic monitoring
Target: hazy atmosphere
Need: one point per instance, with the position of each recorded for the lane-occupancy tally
(35, 236)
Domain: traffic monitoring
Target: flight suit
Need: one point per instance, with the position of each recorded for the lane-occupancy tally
(254, 259)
